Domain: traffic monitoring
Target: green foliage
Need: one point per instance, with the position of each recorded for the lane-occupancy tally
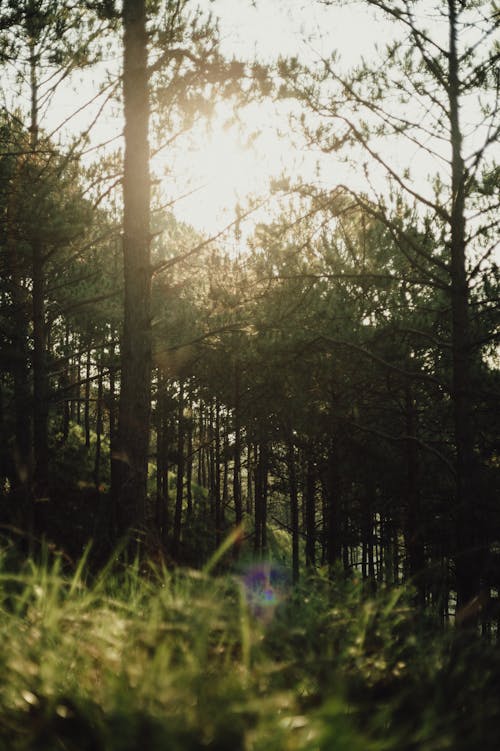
(74, 462)
(151, 658)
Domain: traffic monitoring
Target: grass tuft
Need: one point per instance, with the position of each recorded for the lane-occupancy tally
(161, 659)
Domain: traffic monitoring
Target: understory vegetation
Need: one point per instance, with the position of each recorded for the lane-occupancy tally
(140, 657)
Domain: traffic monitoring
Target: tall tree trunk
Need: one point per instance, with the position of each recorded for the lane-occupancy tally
(310, 513)
(180, 475)
(257, 502)
(162, 448)
(98, 428)
(238, 508)
(225, 473)
(201, 450)
(413, 514)
(86, 411)
(66, 385)
(250, 473)
(22, 450)
(468, 556)
(216, 481)
(40, 379)
(131, 460)
(78, 389)
(332, 522)
(261, 497)
(294, 509)
(112, 398)
(40, 376)
(211, 462)
(205, 437)
(189, 459)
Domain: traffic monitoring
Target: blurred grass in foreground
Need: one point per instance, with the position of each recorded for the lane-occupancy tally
(138, 659)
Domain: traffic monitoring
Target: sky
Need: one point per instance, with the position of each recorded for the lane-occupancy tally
(219, 165)
(215, 168)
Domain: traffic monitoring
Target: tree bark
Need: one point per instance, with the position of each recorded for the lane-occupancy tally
(180, 475)
(310, 513)
(294, 510)
(86, 411)
(98, 429)
(263, 473)
(413, 522)
(189, 459)
(130, 461)
(332, 522)
(40, 377)
(162, 448)
(217, 482)
(250, 472)
(23, 458)
(468, 555)
(238, 508)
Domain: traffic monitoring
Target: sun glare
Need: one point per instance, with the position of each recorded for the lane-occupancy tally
(223, 165)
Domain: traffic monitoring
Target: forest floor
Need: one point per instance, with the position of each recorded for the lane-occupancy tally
(143, 659)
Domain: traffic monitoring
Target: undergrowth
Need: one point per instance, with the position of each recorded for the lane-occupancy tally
(145, 658)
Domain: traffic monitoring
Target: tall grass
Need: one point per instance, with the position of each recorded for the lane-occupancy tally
(145, 658)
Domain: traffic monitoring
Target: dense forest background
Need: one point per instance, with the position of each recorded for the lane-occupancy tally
(322, 377)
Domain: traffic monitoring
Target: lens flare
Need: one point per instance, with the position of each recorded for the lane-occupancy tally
(265, 585)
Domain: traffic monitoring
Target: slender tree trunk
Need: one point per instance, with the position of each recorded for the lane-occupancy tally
(210, 430)
(238, 507)
(468, 556)
(201, 450)
(310, 512)
(380, 546)
(66, 384)
(332, 522)
(216, 482)
(86, 411)
(113, 417)
(264, 470)
(78, 390)
(258, 492)
(250, 471)
(129, 478)
(225, 473)
(388, 549)
(22, 450)
(162, 451)
(413, 517)
(294, 509)
(205, 455)
(40, 377)
(364, 558)
(159, 452)
(98, 429)
(370, 536)
(189, 458)
(345, 542)
(180, 474)
(112, 400)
